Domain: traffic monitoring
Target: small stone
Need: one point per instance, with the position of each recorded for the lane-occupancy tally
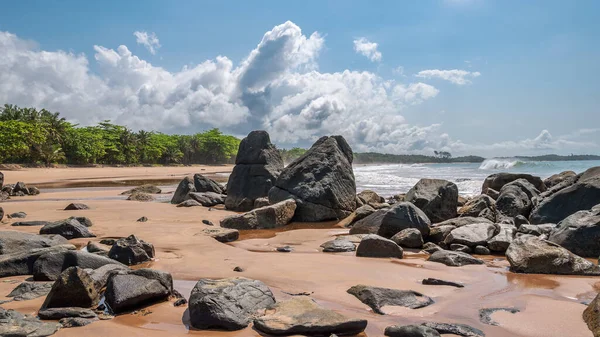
(19, 215)
(76, 207)
(238, 269)
(142, 219)
(180, 302)
(208, 222)
(285, 249)
(437, 282)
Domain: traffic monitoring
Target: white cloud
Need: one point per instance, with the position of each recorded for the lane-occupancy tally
(368, 49)
(456, 76)
(399, 70)
(150, 41)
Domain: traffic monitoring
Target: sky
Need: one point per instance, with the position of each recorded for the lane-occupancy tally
(490, 78)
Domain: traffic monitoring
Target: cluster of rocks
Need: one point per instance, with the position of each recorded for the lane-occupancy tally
(19, 189)
(199, 191)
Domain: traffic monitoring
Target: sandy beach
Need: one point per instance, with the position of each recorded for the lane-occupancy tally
(549, 305)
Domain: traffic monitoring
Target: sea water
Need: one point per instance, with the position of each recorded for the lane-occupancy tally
(390, 179)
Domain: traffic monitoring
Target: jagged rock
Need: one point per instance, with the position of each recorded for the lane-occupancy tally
(437, 198)
(388, 222)
(208, 199)
(146, 188)
(204, 184)
(453, 259)
(482, 206)
(73, 288)
(591, 316)
(12, 241)
(76, 207)
(31, 223)
(272, 216)
(69, 229)
(222, 234)
(58, 313)
(131, 250)
(128, 290)
(430, 247)
(49, 266)
(497, 180)
(21, 262)
(472, 235)
(485, 315)
(20, 187)
(189, 203)
(100, 275)
(532, 255)
(141, 196)
(409, 238)
(520, 220)
(455, 329)
(15, 324)
(321, 181)
(30, 290)
(338, 245)
(377, 298)
(182, 193)
(302, 316)
(227, 304)
(558, 178)
(500, 242)
(438, 282)
(257, 165)
(368, 197)
(410, 331)
(376, 246)
(579, 233)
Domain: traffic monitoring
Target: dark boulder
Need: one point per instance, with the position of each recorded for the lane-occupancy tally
(377, 298)
(321, 181)
(272, 216)
(227, 304)
(500, 242)
(69, 229)
(453, 259)
(579, 233)
(182, 193)
(76, 207)
(204, 184)
(338, 245)
(20, 187)
(376, 246)
(516, 199)
(409, 238)
(482, 206)
(437, 198)
(472, 235)
(558, 178)
(388, 222)
(48, 267)
(131, 251)
(497, 180)
(101, 275)
(30, 290)
(438, 282)
(21, 262)
(73, 288)
(31, 223)
(208, 199)
(257, 165)
(18, 215)
(430, 247)
(12, 241)
(129, 290)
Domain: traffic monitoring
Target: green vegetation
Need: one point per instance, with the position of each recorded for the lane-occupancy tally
(290, 155)
(439, 157)
(31, 136)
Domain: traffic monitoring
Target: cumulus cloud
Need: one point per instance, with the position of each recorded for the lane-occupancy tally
(367, 48)
(456, 76)
(150, 41)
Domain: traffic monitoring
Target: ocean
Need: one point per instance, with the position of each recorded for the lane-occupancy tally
(390, 179)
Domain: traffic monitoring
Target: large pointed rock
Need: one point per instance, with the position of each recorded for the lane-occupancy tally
(580, 233)
(321, 181)
(437, 198)
(204, 184)
(532, 255)
(302, 316)
(257, 166)
(272, 216)
(182, 193)
(73, 288)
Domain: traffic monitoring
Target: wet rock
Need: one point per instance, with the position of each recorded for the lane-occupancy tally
(377, 298)
(75, 322)
(142, 219)
(579, 233)
(30, 223)
(431, 247)
(530, 254)
(273, 216)
(141, 196)
(146, 188)
(591, 316)
(456, 329)
(21, 262)
(12, 241)
(189, 203)
(129, 290)
(472, 235)
(321, 181)
(454, 259)
(76, 207)
(258, 164)
(208, 199)
(100, 275)
(485, 315)
(500, 242)
(481, 250)
(558, 178)
(482, 206)
(182, 193)
(180, 302)
(302, 316)
(131, 251)
(410, 331)
(457, 247)
(338, 245)
(368, 197)
(30, 290)
(497, 180)
(227, 304)
(15, 324)
(58, 313)
(69, 229)
(222, 234)
(409, 238)
(438, 282)
(49, 266)
(73, 288)
(376, 246)
(437, 198)
(388, 222)
(204, 184)
(208, 222)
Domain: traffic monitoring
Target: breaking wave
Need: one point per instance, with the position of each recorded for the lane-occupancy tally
(509, 163)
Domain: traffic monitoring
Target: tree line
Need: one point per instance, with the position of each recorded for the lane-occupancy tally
(28, 135)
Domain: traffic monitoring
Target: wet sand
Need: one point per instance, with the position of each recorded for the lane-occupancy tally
(549, 305)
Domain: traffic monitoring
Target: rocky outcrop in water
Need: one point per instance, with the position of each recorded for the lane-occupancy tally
(437, 198)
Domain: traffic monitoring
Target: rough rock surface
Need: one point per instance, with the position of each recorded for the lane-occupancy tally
(409, 238)
(338, 245)
(12, 241)
(15, 324)
(591, 316)
(21, 262)
(536, 230)
(204, 184)
(208, 199)
(500, 242)
(579, 233)
(69, 229)
(377, 298)
(131, 250)
(558, 178)
(454, 259)
(376, 246)
(189, 203)
(228, 304)
(532, 255)
(141, 196)
(30, 290)
(49, 266)
(146, 188)
(482, 206)
(430, 247)
(472, 235)
(321, 181)
(437, 198)
(131, 290)
(257, 167)
(410, 331)
(58, 313)
(439, 233)
(370, 197)
(455, 329)
(388, 222)
(76, 207)
(516, 199)
(222, 234)
(272, 216)
(497, 180)
(302, 316)
(73, 288)
(182, 193)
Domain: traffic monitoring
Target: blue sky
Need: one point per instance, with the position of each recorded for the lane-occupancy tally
(468, 76)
